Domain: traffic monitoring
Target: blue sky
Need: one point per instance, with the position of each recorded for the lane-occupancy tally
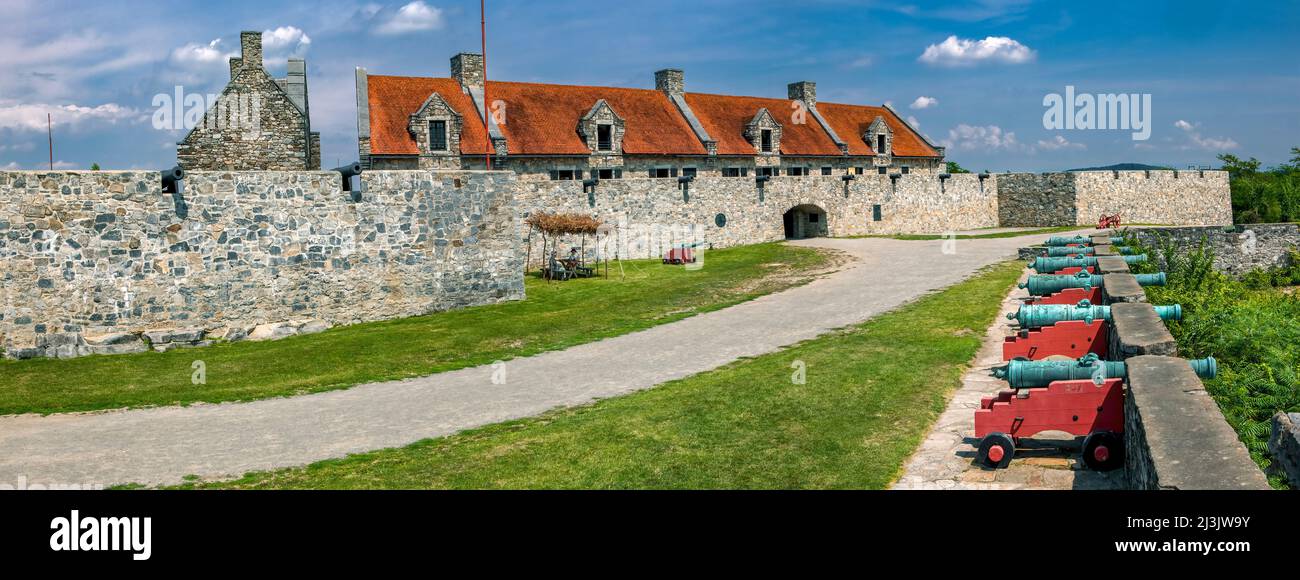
(1223, 76)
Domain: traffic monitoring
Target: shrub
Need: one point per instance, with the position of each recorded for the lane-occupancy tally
(1252, 328)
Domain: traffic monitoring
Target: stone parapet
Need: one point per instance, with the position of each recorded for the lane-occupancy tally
(104, 262)
(1176, 436)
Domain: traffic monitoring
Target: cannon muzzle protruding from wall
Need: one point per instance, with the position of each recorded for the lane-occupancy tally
(171, 179)
(347, 172)
(1028, 374)
(1063, 251)
(1048, 284)
(1040, 315)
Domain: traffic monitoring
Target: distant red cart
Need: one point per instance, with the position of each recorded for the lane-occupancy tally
(1108, 221)
(681, 254)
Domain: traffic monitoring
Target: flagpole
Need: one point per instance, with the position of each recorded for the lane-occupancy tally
(482, 23)
(49, 131)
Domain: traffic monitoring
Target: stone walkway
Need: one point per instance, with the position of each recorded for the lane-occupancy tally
(945, 460)
(163, 445)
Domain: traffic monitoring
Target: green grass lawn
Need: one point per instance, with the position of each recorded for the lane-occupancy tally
(556, 315)
(871, 393)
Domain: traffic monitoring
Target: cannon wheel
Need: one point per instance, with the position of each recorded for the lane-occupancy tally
(996, 450)
(1103, 451)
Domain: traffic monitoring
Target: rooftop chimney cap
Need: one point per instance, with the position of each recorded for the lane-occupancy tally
(250, 46)
(805, 91)
(467, 67)
(670, 80)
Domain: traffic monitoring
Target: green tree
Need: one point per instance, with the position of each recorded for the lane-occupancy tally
(953, 167)
(1237, 167)
(1295, 159)
(94, 167)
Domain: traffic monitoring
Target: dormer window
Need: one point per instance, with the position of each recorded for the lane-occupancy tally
(767, 141)
(604, 137)
(602, 130)
(438, 135)
(880, 137)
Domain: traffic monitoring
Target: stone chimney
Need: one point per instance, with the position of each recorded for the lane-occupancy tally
(250, 44)
(235, 64)
(467, 68)
(296, 82)
(670, 81)
(805, 91)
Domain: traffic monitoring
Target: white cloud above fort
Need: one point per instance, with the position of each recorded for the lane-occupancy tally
(201, 54)
(1195, 141)
(32, 116)
(924, 102)
(414, 17)
(976, 137)
(962, 52)
(286, 41)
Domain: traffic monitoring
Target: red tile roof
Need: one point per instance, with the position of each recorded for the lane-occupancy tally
(850, 122)
(542, 119)
(539, 119)
(393, 99)
(725, 117)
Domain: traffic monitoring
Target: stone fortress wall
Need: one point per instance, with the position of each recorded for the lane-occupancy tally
(1192, 197)
(650, 215)
(1237, 250)
(94, 262)
(104, 262)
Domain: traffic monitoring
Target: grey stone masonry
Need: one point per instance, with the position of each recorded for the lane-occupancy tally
(1237, 249)
(103, 262)
(1081, 197)
(1111, 265)
(258, 122)
(1175, 435)
(805, 91)
(671, 81)
(1284, 445)
(1122, 288)
(1136, 330)
(1036, 200)
(467, 68)
(649, 215)
(363, 117)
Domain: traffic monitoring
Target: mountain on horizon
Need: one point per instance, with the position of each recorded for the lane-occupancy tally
(1125, 167)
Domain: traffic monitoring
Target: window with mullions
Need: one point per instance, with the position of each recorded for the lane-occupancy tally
(437, 135)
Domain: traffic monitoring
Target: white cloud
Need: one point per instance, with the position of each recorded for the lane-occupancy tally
(1196, 141)
(863, 61)
(42, 166)
(1059, 142)
(924, 102)
(414, 17)
(32, 116)
(201, 54)
(970, 137)
(285, 41)
(913, 122)
(956, 52)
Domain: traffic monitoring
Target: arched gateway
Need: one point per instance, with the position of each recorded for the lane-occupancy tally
(804, 221)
